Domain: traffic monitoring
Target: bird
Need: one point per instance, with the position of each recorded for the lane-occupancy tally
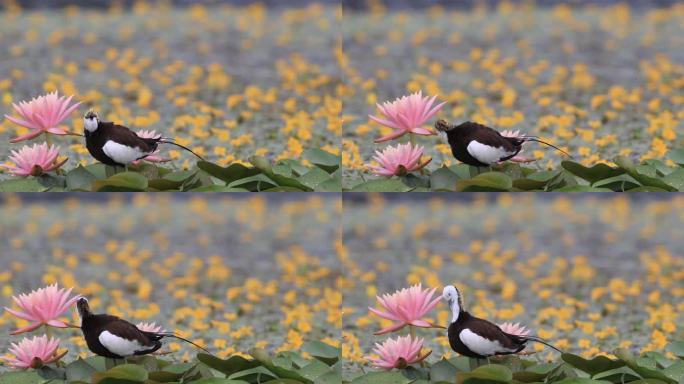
(115, 338)
(478, 338)
(116, 145)
(481, 146)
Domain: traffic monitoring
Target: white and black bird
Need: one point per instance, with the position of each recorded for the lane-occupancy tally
(113, 337)
(474, 337)
(480, 146)
(114, 144)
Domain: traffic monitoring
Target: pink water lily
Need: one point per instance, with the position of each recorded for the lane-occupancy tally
(406, 307)
(406, 114)
(399, 160)
(398, 353)
(154, 156)
(42, 114)
(517, 158)
(42, 307)
(34, 160)
(149, 327)
(33, 353)
(514, 329)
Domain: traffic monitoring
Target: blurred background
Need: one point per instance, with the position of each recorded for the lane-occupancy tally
(600, 79)
(588, 273)
(230, 273)
(228, 79)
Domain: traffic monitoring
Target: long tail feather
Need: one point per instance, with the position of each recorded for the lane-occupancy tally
(535, 139)
(168, 334)
(542, 341)
(166, 140)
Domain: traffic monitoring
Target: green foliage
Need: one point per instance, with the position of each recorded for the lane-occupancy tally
(625, 176)
(651, 368)
(322, 175)
(322, 367)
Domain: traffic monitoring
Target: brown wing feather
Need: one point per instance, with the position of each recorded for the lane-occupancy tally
(129, 138)
(489, 136)
(491, 331)
(124, 329)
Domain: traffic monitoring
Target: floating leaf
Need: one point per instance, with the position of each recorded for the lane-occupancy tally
(322, 351)
(443, 179)
(593, 366)
(228, 174)
(592, 174)
(443, 370)
(677, 156)
(323, 159)
(382, 185)
(227, 366)
(486, 182)
(126, 181)
(382, 378)
(493, 373)
(120, 374)
(79, 179)
(79, 370)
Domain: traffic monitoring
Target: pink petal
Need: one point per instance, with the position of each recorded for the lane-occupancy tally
(27, 328)
(27, 136)
(391, 136)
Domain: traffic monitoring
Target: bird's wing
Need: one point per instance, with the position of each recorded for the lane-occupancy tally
(129, 138)
(486, 144)
(123, 338)
(488, 339)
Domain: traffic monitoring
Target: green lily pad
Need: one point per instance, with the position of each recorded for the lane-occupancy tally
(23, 377)
(125, 181)
(676, 348)
(382, 185)
(582, 188)
(493, 373)
(322, 351)
(486, 182)
(443, 370)
(22, 185)
(593, 366)
(323, 159)
(227, 366)
(79, 179)
(443, 179)
(529, 184)
(228, 174)
(265, 167)
(621, 183)
(314, 177)
(121, 374)
(677, 156)
(675, 179)
(645, 372)
(79, 370)
(592, 174)
(382, 378)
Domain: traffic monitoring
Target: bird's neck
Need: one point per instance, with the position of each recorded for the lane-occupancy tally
(456, 310)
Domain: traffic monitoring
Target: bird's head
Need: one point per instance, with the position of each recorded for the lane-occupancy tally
(90, 121)
(442, 126)
(83, 307)
(451, 294)
(453, 297)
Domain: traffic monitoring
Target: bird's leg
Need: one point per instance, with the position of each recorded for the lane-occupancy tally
(488, 362)
(474, 171)
(125, 167)
(109, 363)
